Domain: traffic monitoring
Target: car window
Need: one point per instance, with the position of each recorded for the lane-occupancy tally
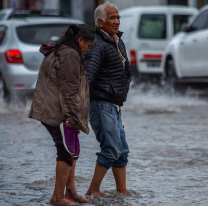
(2, 16)
(2, 33)
(200, 22)
(178, 20)
(153, 26)
(206, 24)
(37, 34)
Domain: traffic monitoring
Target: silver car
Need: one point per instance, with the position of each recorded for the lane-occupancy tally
(11, 13)
(5, 13)
(20, 59)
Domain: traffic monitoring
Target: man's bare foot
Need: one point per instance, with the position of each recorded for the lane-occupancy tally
(61, 201)
(94, 193)
(71, 194)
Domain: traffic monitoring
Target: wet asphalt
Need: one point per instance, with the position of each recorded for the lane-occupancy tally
(168, 160)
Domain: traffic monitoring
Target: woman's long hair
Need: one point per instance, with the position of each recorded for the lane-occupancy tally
(71, 36)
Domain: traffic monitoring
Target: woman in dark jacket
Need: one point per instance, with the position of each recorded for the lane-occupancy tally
(62, 96)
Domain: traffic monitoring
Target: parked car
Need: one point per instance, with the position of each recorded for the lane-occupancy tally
(5, 13)
(186, 55)
(20, 59)
(11, 13)
(147, 31)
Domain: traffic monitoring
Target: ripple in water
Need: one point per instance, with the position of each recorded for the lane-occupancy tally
(113, 198)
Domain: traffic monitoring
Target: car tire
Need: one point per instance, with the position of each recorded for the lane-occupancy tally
(9, 97)
(135, 74)
(5, 94)
(171, 79)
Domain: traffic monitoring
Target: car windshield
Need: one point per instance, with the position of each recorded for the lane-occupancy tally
(178, 20)
(152, 26)
(37, 34)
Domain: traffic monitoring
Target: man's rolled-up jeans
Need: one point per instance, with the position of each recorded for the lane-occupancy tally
(106, 122)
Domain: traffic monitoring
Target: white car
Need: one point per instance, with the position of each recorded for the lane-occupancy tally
(11, 13)
(5, 14)
(186, 55)
(147, 31)
(20, 59)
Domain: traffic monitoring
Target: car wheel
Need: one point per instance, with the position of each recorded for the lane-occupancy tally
(135, 74)
(171, 79)
(9, 97)
(5, 94)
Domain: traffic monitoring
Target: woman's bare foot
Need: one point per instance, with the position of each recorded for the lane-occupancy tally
(61, 201)
(95, 193)
(71, 194)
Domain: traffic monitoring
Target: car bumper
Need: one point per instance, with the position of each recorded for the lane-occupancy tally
(150, 67)
(138, 73)
(19, 78)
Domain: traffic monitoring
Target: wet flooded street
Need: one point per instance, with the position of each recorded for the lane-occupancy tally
(168, 162)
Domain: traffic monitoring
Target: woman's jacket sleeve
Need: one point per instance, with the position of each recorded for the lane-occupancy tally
(69, 83)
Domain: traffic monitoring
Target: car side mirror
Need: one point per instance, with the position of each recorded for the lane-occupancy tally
(185, 27)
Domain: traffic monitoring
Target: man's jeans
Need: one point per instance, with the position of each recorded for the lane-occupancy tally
(106, 122)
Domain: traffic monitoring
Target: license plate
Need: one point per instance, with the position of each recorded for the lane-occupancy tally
(153, 64)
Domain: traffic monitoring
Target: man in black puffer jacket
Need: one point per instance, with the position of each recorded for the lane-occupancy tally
(109, 76)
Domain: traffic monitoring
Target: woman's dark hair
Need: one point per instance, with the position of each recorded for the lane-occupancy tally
(71, 36)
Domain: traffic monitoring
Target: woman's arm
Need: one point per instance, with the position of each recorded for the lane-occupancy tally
(69, 83)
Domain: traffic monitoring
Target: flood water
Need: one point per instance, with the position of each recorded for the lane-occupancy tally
(168, 161)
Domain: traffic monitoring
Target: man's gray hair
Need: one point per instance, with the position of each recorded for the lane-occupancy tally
(100, 11)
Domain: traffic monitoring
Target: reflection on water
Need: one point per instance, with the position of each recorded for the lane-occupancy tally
(167, 136)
